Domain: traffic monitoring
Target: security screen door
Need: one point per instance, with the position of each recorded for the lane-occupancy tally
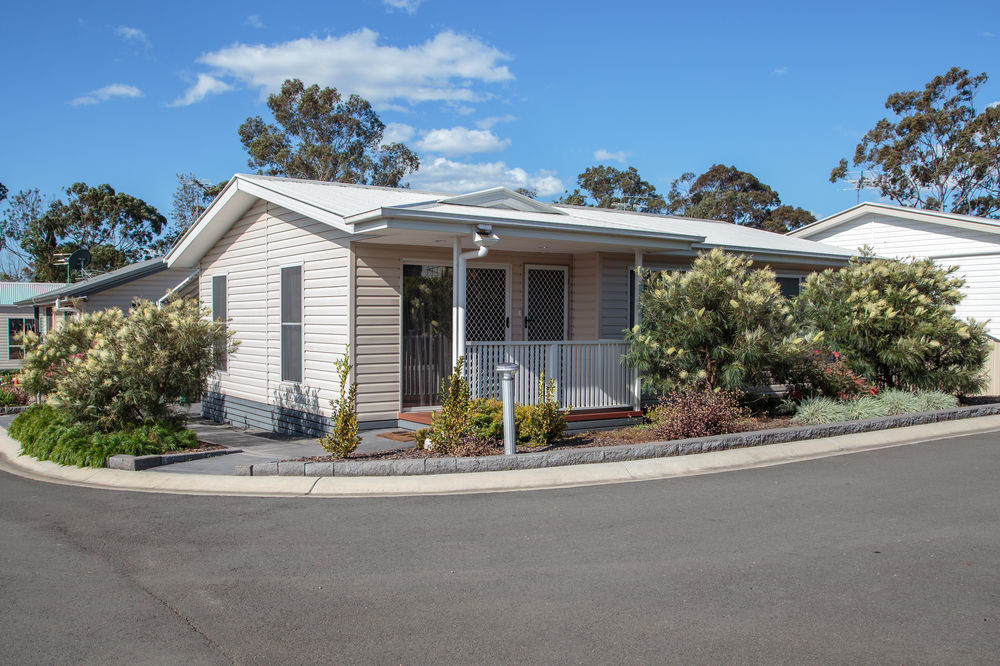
(487, 315)
(545, 294)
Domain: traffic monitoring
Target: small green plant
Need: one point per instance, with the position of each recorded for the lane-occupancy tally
(344, 438)
(420, 438)
(451, 424)
(544, 423)
(690, 413)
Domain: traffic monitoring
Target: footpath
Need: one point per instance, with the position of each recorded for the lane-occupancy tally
(215, 476)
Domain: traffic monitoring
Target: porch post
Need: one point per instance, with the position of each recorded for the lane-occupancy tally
(636, 382)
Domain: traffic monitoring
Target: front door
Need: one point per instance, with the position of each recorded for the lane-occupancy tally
(545, 302)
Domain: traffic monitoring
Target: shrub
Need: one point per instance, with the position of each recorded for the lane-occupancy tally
(866, 407)
(819, 409)
(45, 434)
(451, 424)
(688, 413)
(344, 438)
(11, 395)
(934, 400)
(722, 324)
(544, 423)
(116, 371)
(895, 323)
(823, 371)
(895, 402)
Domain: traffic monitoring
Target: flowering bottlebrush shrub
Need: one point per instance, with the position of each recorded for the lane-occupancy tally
(895, 323)
(721, 324)
(114, 371)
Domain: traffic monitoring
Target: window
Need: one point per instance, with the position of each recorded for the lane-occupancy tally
(291, 324)
(48, 319)
(219, 314)
(16, 327)
(789, 286)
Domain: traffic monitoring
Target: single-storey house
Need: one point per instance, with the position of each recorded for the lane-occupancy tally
(16, 319)
(413, 280)
(970, 243)
(146, 280)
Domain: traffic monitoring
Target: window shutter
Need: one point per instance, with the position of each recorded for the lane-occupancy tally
(219, 314)
(291, 324)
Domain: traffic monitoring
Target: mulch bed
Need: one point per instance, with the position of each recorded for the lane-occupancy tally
(633, 435)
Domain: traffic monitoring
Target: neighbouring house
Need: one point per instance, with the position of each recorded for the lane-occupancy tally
(413, 280)
(970, 243)
(19, 318)
(145, 280)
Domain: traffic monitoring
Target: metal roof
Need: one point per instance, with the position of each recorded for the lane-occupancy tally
(99, 283)
(12, 292)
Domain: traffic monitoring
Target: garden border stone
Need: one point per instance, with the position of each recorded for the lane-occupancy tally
(138, 463)
(591, 455)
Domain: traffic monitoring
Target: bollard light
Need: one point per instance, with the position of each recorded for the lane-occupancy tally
(507, 371)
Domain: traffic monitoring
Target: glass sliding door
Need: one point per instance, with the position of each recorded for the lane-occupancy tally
(426, 331)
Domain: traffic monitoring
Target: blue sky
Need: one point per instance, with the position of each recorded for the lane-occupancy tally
(513, 93)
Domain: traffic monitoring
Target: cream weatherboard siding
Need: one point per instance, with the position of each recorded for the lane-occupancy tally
(251, 255)
(151, 288)
(378, 291)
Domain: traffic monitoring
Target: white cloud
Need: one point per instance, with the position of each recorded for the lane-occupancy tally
(443, 68)
(992, 105)
(487, 123)
(461, 141)
(444, 175)
(408, 6)
(253, 21)
(204, 86)
(603, 155)
(130, 34)
(106, 93)
(395, 132)
(987, 34)
(781, 70)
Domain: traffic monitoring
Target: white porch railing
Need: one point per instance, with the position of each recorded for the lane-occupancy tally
(589, 374)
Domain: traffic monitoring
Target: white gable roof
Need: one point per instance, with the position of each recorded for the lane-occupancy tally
(359, 209)
(899, 212)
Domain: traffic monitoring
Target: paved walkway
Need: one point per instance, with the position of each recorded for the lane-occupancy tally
(260, 447)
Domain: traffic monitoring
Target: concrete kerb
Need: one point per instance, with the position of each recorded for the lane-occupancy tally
(488, 481)
(596, 455)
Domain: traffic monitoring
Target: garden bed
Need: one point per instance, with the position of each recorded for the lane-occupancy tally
(415, 462)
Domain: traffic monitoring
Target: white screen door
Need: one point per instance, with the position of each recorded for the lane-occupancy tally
(545, 301)
(487, 306)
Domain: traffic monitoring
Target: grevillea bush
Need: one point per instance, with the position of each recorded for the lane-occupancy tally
(114, 371)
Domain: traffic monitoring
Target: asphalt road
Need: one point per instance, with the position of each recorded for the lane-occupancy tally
(883, 556)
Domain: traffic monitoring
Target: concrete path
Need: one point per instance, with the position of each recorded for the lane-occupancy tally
(260, 447)
(480, 482)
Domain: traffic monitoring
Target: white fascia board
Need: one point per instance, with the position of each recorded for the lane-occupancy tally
(291, 203)
(868, 208)
(435, 221)
(181, 252)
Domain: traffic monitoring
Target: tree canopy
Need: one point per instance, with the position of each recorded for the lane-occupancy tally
(117, 228)
(607, 187)
(191, 198)
(319, 136)
(728, 194)
(939, 153)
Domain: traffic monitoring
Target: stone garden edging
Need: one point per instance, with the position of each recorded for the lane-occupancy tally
(581, 456)
(138, 463)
